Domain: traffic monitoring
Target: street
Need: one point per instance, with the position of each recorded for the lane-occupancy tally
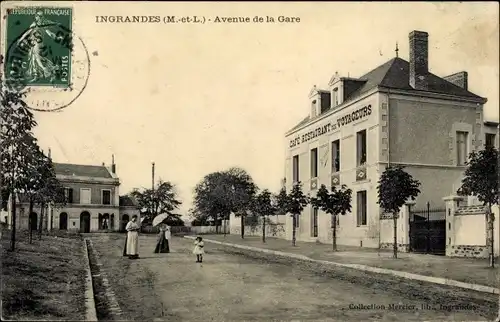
(232, 287)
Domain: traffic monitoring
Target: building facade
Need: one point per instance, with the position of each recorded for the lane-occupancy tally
(93, 202)
(400, 114)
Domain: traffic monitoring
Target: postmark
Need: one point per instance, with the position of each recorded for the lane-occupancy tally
(44, 57)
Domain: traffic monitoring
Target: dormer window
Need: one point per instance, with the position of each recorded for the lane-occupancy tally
(313, 109)
(335, 97)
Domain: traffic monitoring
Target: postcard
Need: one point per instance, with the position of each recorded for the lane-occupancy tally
(249, 161)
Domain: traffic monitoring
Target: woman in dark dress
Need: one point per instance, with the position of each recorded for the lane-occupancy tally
(162, 240)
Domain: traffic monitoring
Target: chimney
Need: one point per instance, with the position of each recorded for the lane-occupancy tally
(49, 153)
(459, 79)
(113, 165)
(419, 59)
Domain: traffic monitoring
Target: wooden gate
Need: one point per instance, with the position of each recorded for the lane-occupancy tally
(428, 231)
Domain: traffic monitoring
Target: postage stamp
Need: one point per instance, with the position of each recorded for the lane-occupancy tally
(39, 46)
(44, 57)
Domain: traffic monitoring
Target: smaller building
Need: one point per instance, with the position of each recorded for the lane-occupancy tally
(93, 202)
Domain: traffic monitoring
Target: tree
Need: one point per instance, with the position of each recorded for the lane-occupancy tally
(224, 192)
(264, 206)
(241, 193)
(282, 201)
(210, 199)
(16, 125)
(395, 187)
(51, 191)
(337, 202)
(294, 203)
(481, 181)
(162, 199)
(34, 171)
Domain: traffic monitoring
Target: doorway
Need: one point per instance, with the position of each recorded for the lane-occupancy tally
(124, 222)
(33, 221)
(85, 222)
(63, 221)
(428, 231)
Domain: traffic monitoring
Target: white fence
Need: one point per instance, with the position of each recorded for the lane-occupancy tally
(190, 230)
(275, 226)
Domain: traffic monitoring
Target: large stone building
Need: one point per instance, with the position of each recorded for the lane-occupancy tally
(93, 202)
(399, 113)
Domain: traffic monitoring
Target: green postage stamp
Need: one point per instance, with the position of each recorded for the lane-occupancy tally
(39, 46)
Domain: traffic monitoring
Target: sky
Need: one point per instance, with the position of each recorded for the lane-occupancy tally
(201, 98)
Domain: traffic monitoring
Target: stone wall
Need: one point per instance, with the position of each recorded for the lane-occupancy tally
(404, 248)
(476, 251)
(467, 229)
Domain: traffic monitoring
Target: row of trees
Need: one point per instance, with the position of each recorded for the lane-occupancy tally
(233, 191)
(26, 171)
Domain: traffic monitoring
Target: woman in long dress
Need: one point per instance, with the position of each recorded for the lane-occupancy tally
(162, 240)
(132, 243)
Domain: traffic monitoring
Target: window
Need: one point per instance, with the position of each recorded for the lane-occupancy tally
(336, 156)
(85, 196)
(361, 208)
(68, 194)
(361, 148)
(335, 97)
(462, 152)
(314, 163)
(313, 109)
(295, 169)
(490, 140)
(106, 197)
(314, 222)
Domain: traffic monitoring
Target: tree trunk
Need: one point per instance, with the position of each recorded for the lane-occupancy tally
(395, 243)
(242, 226)
(40, 225)
(294, 224)
(13, 226)
(264, 229)
(334, 233)
(30, 211)
(224, 226)
(491, 227)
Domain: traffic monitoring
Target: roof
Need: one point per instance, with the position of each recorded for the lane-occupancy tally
(128, 201)
(491, 123)
(395, 74)
(80, 170)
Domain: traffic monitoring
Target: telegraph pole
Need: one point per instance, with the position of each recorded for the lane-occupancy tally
(153, 187)
(153, 176)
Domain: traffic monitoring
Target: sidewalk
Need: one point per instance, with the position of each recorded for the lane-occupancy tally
(468, 270)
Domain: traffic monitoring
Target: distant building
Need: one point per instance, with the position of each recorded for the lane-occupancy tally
(400, 114)
(93, 202)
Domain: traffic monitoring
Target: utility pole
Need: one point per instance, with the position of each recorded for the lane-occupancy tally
(153, 188)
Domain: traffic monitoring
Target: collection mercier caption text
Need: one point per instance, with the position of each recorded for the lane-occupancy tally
(198, 19)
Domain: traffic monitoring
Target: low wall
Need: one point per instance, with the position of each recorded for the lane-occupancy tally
(188, 230)
(467, 231)
(387, 230)
(275, 226)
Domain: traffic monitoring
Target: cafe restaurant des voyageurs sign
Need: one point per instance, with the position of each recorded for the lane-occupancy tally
(333, 125)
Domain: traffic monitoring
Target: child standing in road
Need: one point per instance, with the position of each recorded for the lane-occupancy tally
(198, 249)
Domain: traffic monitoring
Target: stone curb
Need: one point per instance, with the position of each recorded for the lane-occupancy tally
(114, 306)
(429, 279)
(90, 310)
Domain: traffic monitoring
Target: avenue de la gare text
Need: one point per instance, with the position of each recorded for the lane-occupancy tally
(196, 19)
